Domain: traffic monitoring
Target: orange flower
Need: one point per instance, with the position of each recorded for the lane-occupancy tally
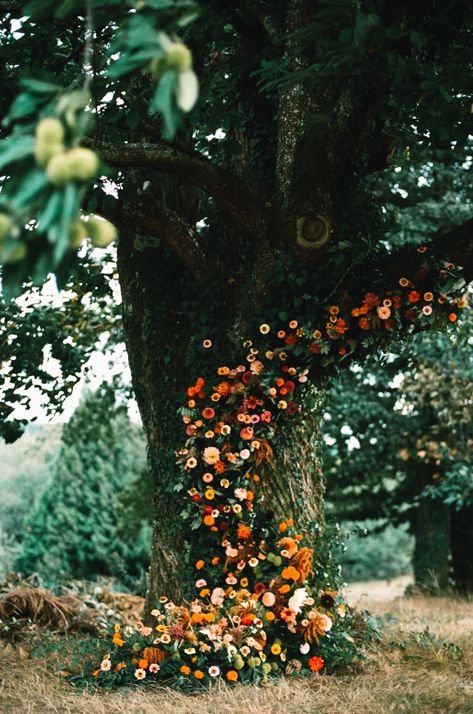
(290, 573)
(232, 675)
(243, 531)
(219, 467)
(413, 296)
(403, 282)
(453, 317)
(142, 663)
(200, 564)
(198, 674)
(270, 616)
(197, 617)
(364, 323)
(316, 663)
(284, 589)
(209, 520)
(185, 669)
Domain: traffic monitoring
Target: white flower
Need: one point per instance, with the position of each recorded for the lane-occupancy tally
(298, 599)
(214, 671)
(304, 648)
(105, 665)
(187, 89)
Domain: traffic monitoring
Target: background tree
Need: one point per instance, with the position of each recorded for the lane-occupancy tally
(399, 450)
(76, 528)
(259, 206)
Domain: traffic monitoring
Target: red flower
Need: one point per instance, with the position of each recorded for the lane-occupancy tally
(413, 296)
(196, 497)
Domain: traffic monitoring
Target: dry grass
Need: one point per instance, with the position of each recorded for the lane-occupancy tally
(411, 672)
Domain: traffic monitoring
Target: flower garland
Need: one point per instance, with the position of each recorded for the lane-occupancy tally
(258, 610)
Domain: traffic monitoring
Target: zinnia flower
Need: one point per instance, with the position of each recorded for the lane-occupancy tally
(268, 599)
(214, 671)
(316, 663)
(105, 665)
(211, 455)
(264, 329)
(154, 668)
(140, 673)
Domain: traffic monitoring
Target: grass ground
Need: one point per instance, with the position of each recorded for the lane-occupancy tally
(414, 670)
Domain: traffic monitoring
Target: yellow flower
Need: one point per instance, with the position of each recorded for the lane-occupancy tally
(276, 649)
(210, 494)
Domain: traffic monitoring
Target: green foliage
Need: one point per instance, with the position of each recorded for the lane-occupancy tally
(75, 529)
(373, 555)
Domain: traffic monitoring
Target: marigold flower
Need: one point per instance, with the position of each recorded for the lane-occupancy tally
(185, 669)
(209, 520)
(232, 675)
(413, 296)
(142, 663)
(453, 317)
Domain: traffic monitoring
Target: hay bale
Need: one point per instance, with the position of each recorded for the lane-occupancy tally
(39, 606)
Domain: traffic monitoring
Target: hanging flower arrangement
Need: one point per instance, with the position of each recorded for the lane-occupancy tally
(258, 610)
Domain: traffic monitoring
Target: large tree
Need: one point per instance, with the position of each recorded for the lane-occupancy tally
(258, 206)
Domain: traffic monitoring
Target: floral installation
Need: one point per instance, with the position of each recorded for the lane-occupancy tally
(257, 610)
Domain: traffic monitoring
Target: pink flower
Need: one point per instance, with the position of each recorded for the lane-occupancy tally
(214, 671)
(266, 416)
(268, 599)
(211, 455)
(105, 665)
(217, 596)
(245, 454)
(427, 310)
(384, 313)
(154, 668)
(201, 583)
(207, 478)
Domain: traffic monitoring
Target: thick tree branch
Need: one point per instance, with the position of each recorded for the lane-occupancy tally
(231, 192)
(178, 234)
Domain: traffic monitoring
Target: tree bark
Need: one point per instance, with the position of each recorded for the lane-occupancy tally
(462, 550)
(432, 547)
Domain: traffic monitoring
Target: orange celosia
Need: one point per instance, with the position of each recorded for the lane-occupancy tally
(303, 562)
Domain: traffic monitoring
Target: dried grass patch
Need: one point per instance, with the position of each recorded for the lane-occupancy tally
(426, 675)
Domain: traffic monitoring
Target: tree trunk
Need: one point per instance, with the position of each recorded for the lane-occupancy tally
(462, 550)
(432, 546)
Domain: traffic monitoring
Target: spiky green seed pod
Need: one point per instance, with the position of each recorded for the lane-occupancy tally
(49, 140)
(266, 668)
(100, 231)
(77, 235)
(78, 164)
(178, 56)
(83, 163)
(5, 226)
